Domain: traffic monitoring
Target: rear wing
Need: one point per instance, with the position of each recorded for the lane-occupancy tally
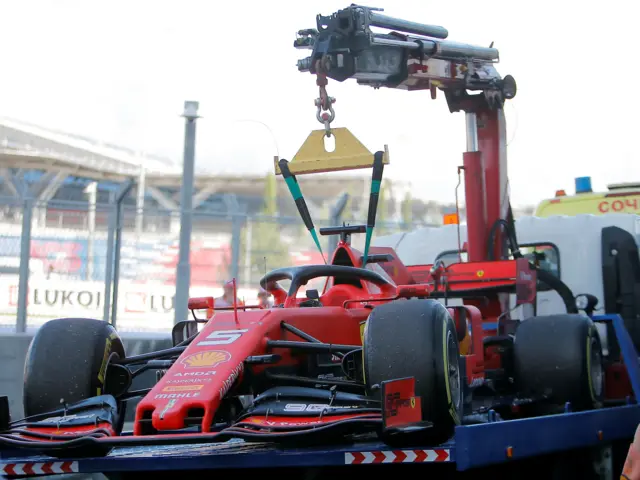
(460, 276)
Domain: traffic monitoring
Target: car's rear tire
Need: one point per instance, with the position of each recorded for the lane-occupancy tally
(67, 362)
(560, 357)
(417, 338)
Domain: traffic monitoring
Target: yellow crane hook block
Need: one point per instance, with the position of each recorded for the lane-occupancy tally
(349, 154)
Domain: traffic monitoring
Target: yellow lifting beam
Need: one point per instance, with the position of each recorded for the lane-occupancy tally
(349, 154)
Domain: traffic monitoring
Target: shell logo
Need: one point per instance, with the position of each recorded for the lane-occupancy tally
(211, 358)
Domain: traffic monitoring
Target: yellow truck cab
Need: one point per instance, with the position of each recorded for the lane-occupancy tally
(620, 198)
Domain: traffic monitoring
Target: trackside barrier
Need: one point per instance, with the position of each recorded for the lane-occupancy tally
(141, 307)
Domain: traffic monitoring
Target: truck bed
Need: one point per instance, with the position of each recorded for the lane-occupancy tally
(469, 449)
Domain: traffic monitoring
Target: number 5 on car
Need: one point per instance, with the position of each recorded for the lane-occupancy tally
(222, 337)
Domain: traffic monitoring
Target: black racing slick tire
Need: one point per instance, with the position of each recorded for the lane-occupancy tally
(67, 362)
(559, 358)
(417, 338)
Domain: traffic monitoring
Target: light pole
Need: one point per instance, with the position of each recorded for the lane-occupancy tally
(183, 269)
(92, 192)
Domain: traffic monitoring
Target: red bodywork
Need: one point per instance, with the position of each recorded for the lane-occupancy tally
(213, 364)
(216, 359)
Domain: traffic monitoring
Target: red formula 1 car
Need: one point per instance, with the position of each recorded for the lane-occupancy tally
(290, 373)
(372, 354)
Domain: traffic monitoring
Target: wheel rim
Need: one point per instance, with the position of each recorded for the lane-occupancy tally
(453, 370)
(597, 376)
(112, 356)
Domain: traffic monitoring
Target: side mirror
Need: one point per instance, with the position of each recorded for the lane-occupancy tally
(202, 303)
(586, 302)
(183, 330)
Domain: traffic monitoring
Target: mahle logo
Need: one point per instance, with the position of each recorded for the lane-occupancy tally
(211, 359)
(176, 395)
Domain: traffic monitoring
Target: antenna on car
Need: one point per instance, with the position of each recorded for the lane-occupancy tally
(296, 193)
(376, 180)
(235, 300)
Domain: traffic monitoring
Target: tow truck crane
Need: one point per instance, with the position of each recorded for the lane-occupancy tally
(412, 57)
(344, 46)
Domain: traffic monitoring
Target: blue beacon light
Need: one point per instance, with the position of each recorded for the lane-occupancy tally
(583, 185)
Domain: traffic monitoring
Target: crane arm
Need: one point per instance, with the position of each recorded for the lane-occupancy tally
(415, 56)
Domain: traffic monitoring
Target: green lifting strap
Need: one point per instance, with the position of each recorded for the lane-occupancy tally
(376, 180)
(296, 193)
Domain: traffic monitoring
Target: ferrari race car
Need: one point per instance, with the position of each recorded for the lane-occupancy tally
(366, 357)
(290, 372)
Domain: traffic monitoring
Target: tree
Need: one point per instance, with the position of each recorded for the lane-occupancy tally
(270, 195)
(407, 210)
(382, 213)
(262, 239)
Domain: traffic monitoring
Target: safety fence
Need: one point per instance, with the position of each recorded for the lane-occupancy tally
(69, 252)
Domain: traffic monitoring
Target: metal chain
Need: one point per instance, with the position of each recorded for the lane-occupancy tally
(324, 103)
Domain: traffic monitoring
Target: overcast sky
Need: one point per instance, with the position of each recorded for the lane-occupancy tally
(121, 70)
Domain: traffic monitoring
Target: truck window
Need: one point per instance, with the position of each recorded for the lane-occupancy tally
(545, 256)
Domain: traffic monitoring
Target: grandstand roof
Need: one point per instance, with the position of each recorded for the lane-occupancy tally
(26, 146)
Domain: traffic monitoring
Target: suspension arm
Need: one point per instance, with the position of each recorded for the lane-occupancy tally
(413, 56)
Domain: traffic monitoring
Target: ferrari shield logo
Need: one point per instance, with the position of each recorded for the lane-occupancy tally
(413, 402)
